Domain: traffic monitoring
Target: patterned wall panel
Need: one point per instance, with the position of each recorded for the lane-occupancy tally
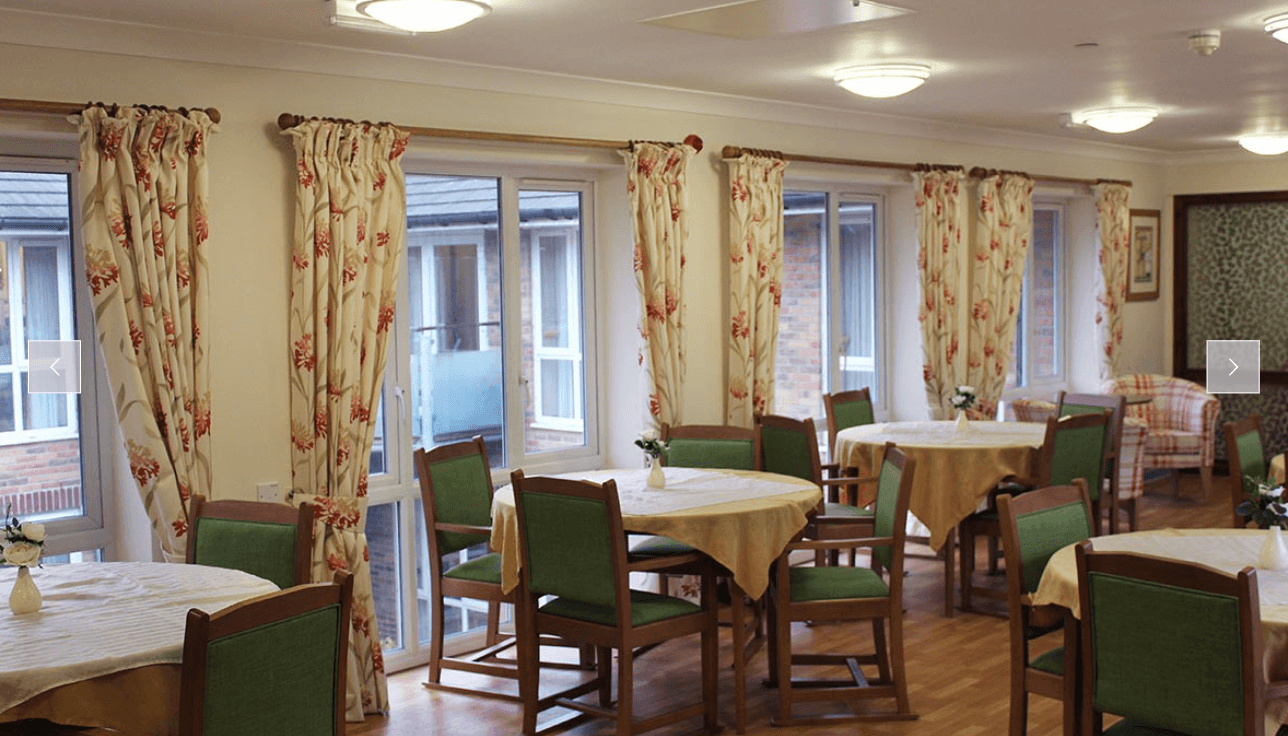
(1271, 404)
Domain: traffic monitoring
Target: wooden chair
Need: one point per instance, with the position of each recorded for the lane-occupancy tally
(1247, 458)
(847, 594)
(271, 540)
(1175, 648)
(1068, 404)
(1073, 448)
(573, 547)
(845, 409)
(272, 664)
(1034, 526)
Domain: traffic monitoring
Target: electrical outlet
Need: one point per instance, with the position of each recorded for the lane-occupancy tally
(269, 492)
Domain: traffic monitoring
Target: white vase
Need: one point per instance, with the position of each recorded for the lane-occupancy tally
(963, 424)
(656, 479)
(25, 597)
(1274, 553)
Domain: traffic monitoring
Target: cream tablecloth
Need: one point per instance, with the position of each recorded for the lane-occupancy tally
(741, 519)
(955, 470)
(1276, 471)
(104, 618)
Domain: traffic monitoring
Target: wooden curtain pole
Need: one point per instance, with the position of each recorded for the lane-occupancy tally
(736, 151)
(288, 120)
(41, 107)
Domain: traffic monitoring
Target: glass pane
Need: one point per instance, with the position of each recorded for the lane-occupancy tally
(6, 290)
(857, 285)
(379, 462)
(1044, 322)
(454, 272)
(42, 411)
(801, 367)
(88, 555)
(384, 549)
(1015, 377)
(7, 420)
(550, 262)
(40, 293)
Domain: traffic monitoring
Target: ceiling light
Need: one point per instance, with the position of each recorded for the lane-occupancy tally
(1116, 119)
(1266, 144)
(1277, 26)
(882, 80)
(424, 16)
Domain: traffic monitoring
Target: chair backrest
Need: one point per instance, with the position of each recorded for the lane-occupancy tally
(272, 664)
(890, 517)
(271, 540)
(1068, 404)
(1034, 526)
(1171, 645)
(1074, 447)
(1172, 398)
(847, 409)
(711, 446)
(455, 488)
(790, 447)
(1247, 459)
(571, 540)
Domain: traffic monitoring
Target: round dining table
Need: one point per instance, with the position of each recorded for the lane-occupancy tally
(1227, 550)
(106, 647)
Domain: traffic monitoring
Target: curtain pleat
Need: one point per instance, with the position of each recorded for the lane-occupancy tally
(941, 219)
(144, 214)
(350, 233)
(755, 283)
(1113, 224)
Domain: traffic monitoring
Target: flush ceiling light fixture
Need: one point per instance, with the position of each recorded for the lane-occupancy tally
(424, 16)
(1116, 119)
(1266, 144)
(1277, 26)
(882, 80)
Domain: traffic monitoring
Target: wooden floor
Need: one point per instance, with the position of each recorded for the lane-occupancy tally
(957, 668)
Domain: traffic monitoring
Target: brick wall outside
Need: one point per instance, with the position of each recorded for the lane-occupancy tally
(799, 363)
(382, 544)
(41, 477)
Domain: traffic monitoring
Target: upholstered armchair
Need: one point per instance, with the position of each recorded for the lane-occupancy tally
(1180, 421)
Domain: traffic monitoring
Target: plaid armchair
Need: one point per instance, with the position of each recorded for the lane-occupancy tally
(1181, 422)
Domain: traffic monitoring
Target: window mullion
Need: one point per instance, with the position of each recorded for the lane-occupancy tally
(515, 387)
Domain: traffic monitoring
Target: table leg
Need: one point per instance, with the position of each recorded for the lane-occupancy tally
(949, 545)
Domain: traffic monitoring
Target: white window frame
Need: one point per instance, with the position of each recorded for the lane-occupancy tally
(1049, 385)
(540, 352)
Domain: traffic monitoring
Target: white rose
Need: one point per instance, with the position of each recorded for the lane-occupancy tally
(649, 435)
(966, 389)
(34, 532)
(22, 553)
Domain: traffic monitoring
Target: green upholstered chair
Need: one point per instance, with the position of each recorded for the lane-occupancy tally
(1034, 526)
(1175, 648)
(573, 549)
(1067, 404)
(847, 594)
(272, 664)
(1073, 448)
(271, 540)
(1247, 458)
(845, 409)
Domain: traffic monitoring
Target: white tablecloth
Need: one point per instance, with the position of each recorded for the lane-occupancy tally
(100, 618)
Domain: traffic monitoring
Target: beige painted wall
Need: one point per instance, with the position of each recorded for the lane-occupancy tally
(251, 184)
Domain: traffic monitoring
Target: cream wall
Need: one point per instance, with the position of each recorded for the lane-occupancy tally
(252, 184)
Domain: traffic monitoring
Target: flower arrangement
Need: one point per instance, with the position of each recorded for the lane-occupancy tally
(23, 542)
(1266, 506)
(650, 443)
(964, 398)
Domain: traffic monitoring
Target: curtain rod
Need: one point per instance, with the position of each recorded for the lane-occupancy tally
(288, 120)
(736, 151)
(42, 107)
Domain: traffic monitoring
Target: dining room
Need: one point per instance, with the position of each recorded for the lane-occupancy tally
(585, 252)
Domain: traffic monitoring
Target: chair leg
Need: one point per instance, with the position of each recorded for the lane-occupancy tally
(436, 626)
(883, 653)
(783, 633)
(1176, 483)
(967, 553)
(737, 614)
(1097, 510)
(604, 668)
(1205, 474)
(625, 688)
(493, 623)
(949, 544)
(711, 658)
(896, 662)
(1131, 514)
(993, 553)
(1019, 696)
(529, 653)
(771, 621)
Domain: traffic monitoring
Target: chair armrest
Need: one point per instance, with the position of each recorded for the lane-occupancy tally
(848, 481)
(665, 562)
(462, 528)
(1277, 689)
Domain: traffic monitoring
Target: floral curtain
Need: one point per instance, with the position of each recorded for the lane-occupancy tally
(658, 188)
(1113, 223)
(941, 218)
(1003, 228)
(144, 214)
(755, 282)
(350, 232)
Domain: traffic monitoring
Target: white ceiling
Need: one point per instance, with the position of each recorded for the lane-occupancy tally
(1008, 65)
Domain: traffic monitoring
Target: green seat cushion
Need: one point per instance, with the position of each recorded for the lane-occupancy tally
(485, 569)
(835, 583)
(1129, 728)
(646, 608)
(1052, 661)
(841, 509)
(257, 547)
(660, 547)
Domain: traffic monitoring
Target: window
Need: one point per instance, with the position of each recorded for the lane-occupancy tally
(828, 334)
(493, 340)
(1036, 358)
(49, 460)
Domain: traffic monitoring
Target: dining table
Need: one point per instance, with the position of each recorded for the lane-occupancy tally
(956, 469)
(106, 647)
(1227, 550)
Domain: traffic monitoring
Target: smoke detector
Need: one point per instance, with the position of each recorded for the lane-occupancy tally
(1204, 43)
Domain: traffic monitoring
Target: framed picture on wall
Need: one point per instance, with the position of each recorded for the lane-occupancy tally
(1142, 265)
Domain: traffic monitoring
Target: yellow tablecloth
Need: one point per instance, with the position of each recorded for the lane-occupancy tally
(1228, 550)
(744, 535)
(955, 470)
